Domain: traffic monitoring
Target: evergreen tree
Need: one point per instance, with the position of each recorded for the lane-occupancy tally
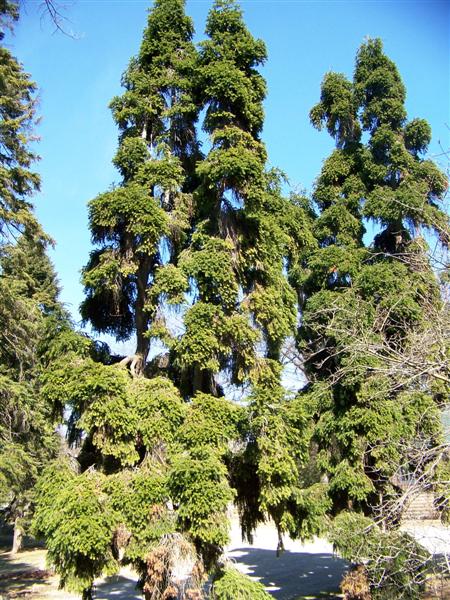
(9, 12)
(17, 112)
(244, 308)
(366, 423)
(140, 449)
(30, 319)
(159, 451)
(137, 223)
(29, 307)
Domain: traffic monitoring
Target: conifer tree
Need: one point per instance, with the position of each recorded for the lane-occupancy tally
(148, 214)
(31, 317)
(17, 112)
(244, 307)
(149, 472)
(29, 306)
(159, 451)
(366, 422)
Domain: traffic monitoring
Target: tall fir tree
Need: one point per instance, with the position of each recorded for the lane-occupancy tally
(149, 474)
(31, 318)
(29, 306)
(244, 308)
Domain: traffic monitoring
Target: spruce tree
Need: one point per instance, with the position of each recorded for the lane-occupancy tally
(166, 453)
(366, 423)
(149, 470)
(17, 112)
(244, 308)
(147, 216)
(29, 305)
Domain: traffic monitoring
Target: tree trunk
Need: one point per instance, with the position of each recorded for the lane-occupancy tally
(204, 381)
(141, 321)
(18, 536)
(87, 594)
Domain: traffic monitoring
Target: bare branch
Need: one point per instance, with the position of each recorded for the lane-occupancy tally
(55, 11)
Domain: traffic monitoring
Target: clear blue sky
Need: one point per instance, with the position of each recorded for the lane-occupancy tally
(77, 79)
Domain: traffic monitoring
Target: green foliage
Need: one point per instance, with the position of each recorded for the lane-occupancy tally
(159, 411)
(138, 500)
(144, 219)
(274, 308)
(210, 263)
(17, 181)
(30, 321)
(73, 515)
(120, 414)
(163, 457)
(157, 152)
(308, 512)
(211, 422)
(363, 305)
(211, 337)
(198, 484)
(378, 87)
(170, 284)
(228, 77)
(201, 343)
(27, 439)
(107, 415)
(235, 162)
(396, 565)
(231, 584)
(9, 12)
(337, 109)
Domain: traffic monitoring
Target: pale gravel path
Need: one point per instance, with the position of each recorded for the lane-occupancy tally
(308, 569)
(431, 534)
(302, 570)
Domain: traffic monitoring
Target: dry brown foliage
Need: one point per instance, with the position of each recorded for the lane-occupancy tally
(355, 584)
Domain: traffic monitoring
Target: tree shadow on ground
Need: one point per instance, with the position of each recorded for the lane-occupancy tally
(20, 584)
(20, 576)
(293, 575)
(25, 561)
(117, 586)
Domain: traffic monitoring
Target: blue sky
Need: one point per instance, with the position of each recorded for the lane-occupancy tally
(78, 77)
